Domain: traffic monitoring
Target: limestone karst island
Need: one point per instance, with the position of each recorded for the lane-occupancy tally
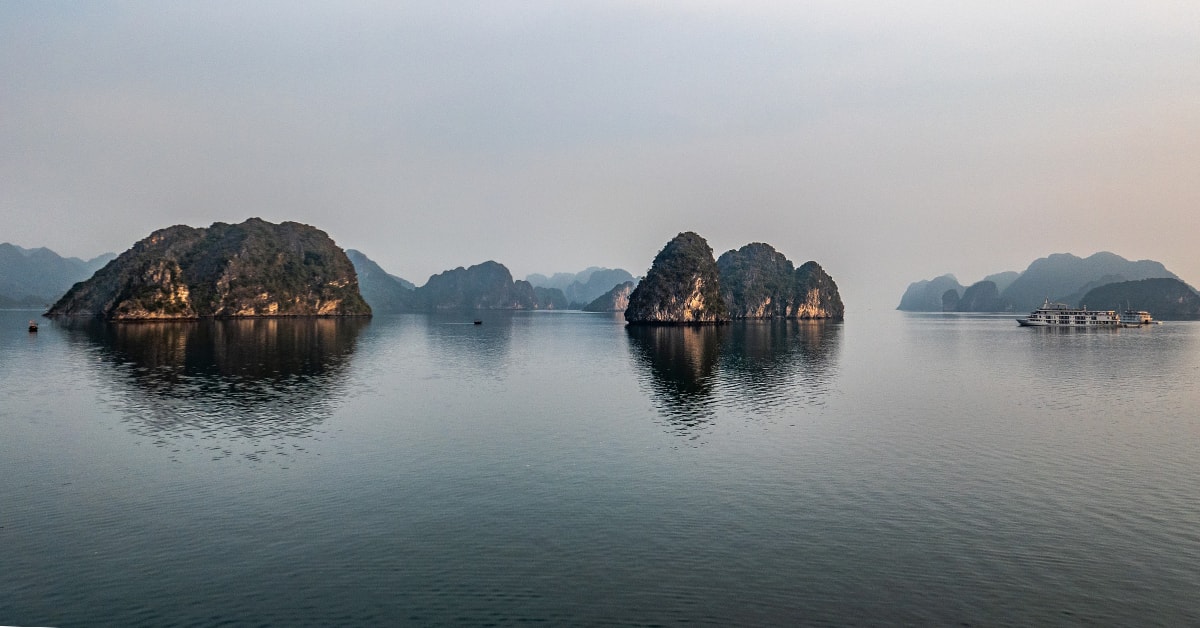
(252, 269)
(686, 286)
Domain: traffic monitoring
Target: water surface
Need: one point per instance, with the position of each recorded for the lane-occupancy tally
(560, 468)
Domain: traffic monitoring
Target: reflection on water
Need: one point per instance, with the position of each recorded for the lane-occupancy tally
(678, 363)
(756, 366)
(255, 383)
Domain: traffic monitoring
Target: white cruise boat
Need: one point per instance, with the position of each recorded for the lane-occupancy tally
(1137, 318)
(1063, 315)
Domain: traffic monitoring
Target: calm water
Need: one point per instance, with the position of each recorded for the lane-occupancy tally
(559, 468)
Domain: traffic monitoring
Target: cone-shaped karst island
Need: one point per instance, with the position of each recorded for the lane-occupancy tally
(685, 286)
(252, 269)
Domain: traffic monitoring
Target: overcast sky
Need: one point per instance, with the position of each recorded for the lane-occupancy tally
(890, 142)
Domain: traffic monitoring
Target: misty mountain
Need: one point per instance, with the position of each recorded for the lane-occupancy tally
(981, 296)
(1064, 277)
(35, 277)
(486, 286)
(1165, 298)
(585, 286)
(382, 291)
(1002, 280)
(1060, 277)
(926, 295)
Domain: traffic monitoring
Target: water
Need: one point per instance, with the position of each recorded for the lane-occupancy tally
(561, 469)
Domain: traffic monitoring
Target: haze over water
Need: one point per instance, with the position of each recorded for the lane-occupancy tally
(561, 468)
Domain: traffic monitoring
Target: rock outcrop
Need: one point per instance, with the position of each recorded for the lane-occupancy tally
(817, 295)
(615, 300)
(250, 269)
(758, 282)
(682, 286)
(486, 286)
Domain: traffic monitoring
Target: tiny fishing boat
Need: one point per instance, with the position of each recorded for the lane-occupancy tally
(33, 326)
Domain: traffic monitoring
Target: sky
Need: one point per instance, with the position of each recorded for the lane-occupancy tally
(890, 142)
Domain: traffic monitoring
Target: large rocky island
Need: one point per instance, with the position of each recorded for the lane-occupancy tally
(252, 269)
(686, 286)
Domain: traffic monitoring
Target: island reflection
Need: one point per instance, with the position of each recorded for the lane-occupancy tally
(678, 363)
(232, 383)
(755, 366)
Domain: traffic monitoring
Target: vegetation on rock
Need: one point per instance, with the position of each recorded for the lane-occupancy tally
(759, 282)
(753, 282)
(250, 269)
(682, 286)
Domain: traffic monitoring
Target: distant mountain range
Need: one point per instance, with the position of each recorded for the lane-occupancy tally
(485, 286)
(36, 277)
(1166, 299)
(1060, 277)
(585, 286)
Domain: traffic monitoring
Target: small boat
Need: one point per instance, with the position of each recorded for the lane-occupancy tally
(478, 322)
(33, 326)
(1063, 315)
(1136, 318)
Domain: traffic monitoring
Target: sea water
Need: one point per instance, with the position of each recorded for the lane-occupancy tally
(560, 468)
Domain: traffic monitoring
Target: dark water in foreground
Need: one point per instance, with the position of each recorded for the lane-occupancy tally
(558, 469)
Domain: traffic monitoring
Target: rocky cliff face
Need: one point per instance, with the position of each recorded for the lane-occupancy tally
(682, 286)
(615, 300)
(758, 282)
(816, 295)
(251, 269)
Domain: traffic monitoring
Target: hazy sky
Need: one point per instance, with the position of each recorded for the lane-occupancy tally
(890, 142)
